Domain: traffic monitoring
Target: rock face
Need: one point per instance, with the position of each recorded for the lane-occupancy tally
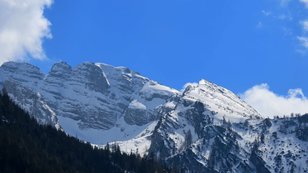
(204, 128)
(90, 97)
(199, 127)
(195, 134)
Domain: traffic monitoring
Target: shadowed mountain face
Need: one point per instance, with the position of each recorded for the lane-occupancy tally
(203, 128)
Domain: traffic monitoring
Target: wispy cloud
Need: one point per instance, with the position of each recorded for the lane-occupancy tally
(284, 17)
(270, 104)
(303, 41)
(23, 28)
(303, 38)
(305, 25)
(266, 13)
(290, 16)
(305, 2)
(259, 25)
(284, 3)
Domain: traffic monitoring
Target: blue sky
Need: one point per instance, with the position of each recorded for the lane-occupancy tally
(236, 44)
(177, 41)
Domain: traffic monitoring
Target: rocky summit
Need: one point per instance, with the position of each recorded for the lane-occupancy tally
(203, 128)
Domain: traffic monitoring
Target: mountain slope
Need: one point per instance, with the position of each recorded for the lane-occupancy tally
(83, 101)
(26, 146)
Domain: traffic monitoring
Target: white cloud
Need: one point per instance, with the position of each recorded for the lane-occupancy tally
(270, 104)
(284, 3)
(284, 17)
(305, 25)
(290, 12)
(303, 41)
(305, 2)
(22, 29)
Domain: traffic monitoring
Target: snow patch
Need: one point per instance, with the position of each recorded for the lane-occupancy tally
(121, 132)
(137, 105)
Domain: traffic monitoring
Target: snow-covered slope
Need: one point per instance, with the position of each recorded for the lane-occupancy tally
(204, 128)
(91, 101)
(223, 102)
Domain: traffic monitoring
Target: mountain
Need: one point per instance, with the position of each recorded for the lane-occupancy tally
(203, 128)
(26, 146)
(84, 101)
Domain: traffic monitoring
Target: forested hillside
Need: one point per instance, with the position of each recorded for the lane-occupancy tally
(26, 146)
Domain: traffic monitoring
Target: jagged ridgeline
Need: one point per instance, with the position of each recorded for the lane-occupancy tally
(202, 128)
(26, 146)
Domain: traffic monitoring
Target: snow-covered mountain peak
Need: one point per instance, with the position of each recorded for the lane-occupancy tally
(20, 66)
(21, 71)
(220, 100)
(120, 70)
(61, 66)
(60, 71)
(92, 76)
(205, 82)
